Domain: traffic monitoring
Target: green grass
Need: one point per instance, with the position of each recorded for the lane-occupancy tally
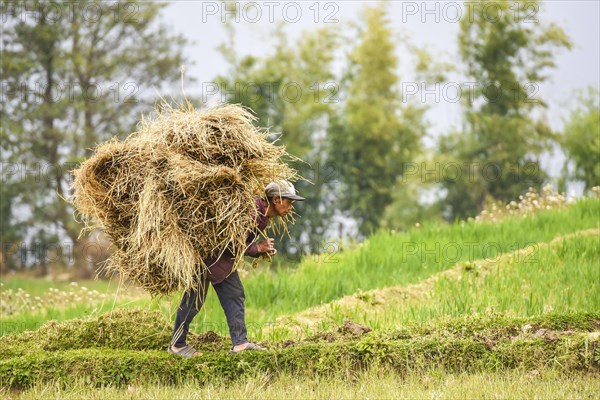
(375, 383)
(128, 347)
(30, 321)
(523, 327)
(386, 259)
(562, 277)
(38, 286)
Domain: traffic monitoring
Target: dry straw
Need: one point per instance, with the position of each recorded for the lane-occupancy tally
(177, 191)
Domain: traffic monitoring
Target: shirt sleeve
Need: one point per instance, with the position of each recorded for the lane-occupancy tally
(251, 248)
(262, 221)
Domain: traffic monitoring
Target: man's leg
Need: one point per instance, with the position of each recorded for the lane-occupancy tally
(190, 306)
(231, 296)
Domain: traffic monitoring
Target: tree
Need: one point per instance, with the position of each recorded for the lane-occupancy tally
(375, 135)
(293, 92)
(507, 55)
(414, 197)
(74, 75)
(581, 139)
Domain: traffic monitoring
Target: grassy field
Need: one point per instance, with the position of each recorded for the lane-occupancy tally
(386, 259)
(514, 304)
(370, 384)
(560, 276)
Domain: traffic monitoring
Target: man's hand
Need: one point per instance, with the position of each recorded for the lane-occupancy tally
(266, 247)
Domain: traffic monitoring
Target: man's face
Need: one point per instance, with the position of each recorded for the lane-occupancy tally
(282, 205)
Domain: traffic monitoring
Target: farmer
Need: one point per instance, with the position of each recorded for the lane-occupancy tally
(281, 195)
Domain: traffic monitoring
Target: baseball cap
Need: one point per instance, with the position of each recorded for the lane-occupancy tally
(282, 188)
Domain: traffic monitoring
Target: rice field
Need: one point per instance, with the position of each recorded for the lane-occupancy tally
(539, 273)
(558, 277)
(386, 259)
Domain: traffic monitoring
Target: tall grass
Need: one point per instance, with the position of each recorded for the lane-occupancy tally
(386, 259)
(561, 278)
(544, 384)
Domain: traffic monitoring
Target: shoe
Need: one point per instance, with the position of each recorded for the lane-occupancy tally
(250, 346)
(185, 352)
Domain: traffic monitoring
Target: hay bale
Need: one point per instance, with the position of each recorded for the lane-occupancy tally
(177, 191)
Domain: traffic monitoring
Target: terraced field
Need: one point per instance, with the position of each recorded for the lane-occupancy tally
(432, 312)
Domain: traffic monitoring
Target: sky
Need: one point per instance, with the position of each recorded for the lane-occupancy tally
(429, 24)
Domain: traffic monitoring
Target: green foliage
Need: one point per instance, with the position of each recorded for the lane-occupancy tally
(293, 93)
(376, 382)
(507, 57)
(504, 325)
(122, 329)
(71, 83)
(389, 259)
(581, 139)
(465, 352)
(127, 347)
(559, 277)
(376, 135)
(552, 278)
(401, 258)
(407, 209)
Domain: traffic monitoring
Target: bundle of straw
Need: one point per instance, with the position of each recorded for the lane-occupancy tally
(177, 191)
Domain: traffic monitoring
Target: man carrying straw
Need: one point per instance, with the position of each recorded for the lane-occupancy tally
(226, 282)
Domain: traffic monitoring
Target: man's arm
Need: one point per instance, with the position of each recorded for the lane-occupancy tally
(252, 250)
(251, 247)
(263, 247)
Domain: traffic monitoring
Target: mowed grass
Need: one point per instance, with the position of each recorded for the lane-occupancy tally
(386, 259)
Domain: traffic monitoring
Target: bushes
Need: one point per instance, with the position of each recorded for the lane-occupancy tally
(128, 347)
(117, 367)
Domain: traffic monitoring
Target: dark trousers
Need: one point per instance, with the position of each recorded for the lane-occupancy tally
(231, 296)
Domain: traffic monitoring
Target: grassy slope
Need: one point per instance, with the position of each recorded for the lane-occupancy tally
(386, 259)
(560, 276)
(128, 347)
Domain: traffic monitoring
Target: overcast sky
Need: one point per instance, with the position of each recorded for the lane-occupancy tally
(431, 24)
